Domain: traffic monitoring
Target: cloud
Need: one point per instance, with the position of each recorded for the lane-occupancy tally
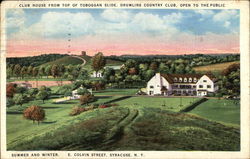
(55, 24)
(148, 22)
(204, 12)
(15, 18)
(227, 24)
(225, 15)
(173, 18)
(116, 15)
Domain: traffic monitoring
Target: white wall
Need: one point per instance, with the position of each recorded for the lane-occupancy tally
(157, 82)
(205, 81)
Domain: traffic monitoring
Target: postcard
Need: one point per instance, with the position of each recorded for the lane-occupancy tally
(124, 79)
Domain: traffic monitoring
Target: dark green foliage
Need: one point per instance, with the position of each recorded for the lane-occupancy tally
(34, 60)
(193, 105)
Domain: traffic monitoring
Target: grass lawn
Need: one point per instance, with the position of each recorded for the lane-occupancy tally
(116, 92)
(172, 104)
(137, 123)
(219, 110)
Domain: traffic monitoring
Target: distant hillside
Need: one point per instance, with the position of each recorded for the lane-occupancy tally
(75, 61)
(34, 60)
(65, 61)
(214, 67)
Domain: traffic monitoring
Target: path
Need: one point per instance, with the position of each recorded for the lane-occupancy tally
(117, 132)
(84, 61)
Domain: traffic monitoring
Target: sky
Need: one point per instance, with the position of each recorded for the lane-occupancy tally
(32, 32)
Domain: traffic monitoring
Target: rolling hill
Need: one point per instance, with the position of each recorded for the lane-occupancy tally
(75, 61)
(214, 67)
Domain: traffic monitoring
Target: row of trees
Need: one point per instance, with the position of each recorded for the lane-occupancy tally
(133, 73)
(69, 72)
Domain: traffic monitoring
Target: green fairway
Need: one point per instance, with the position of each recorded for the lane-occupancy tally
(173, 104)
(219, 110)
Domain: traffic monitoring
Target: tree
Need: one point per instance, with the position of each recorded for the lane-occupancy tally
(130, 63)
(42, 95)
(20, 99)
(153, 66)
(21, 90)
(48, 70)
(55, 71)
(32, 92)
(163, 68)
(86, 98)
(17, 70)
(82, 91)
(23, 71)
(29, 71)
(10, 90)
(35, 71)
(41, 71)
(35, 113)
(132, 71)
(98, 62)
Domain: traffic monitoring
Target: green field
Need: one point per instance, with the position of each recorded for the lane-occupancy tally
(226, 111)
(137, 123)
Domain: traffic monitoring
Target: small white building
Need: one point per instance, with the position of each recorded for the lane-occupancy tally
(75, 95)
(181, 84)
(97, 74)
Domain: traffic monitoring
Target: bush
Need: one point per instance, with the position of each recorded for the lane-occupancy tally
(86, 98)
(35, 113)
(76, 110)
(90, 107)
(10, 102)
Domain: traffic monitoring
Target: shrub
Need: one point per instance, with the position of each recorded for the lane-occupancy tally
(76, 110)
(90, 107)
(86, 98)
(35, 113)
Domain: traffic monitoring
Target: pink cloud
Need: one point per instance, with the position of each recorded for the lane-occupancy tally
(127, 44)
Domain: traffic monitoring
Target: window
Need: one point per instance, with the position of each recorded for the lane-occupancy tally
(190, 79)
(204, 80)
(158, 86)
(194, 86)
(208, 86)
(200, 86)
(195, 79)
(180, 79)
(151, 86)
(185, 79)
(175, 79)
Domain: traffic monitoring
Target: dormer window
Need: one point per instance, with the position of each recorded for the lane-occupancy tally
(195, 79)
(175, 79)
(190, 79)
(180, 79)
(185, 79)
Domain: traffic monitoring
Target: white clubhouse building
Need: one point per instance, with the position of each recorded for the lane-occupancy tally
(181, 84)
